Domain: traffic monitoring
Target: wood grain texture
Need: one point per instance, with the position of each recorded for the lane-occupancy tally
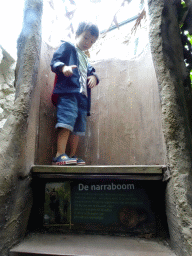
(125, 124)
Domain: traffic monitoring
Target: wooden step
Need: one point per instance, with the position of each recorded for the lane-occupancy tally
(143, 172)
(89, 245)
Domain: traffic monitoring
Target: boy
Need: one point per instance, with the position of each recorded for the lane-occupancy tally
(74, 79)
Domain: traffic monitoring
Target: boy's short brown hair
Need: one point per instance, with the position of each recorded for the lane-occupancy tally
(85, 26)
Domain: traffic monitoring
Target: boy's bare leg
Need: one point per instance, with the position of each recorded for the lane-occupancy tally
(73, 143)
(62, 139)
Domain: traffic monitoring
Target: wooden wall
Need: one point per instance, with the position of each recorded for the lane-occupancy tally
(46, 143)
(125, 124)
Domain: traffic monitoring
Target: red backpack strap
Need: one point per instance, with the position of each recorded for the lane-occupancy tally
(54, 97)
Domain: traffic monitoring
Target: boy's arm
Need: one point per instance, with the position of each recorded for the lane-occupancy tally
(92, 81)
(92, 75)
(57, 61)
(68, 70)
(59, 58)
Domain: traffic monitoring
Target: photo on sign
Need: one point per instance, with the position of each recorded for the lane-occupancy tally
(57, 203)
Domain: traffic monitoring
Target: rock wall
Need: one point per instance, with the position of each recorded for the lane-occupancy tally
(168, 59)
(7, 90)
(18, 135)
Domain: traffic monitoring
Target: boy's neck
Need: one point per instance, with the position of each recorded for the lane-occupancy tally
(78, 47)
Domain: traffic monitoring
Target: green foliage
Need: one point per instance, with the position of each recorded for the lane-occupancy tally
(185, 37)
(181, 13)
(183, 4)
(189, 38)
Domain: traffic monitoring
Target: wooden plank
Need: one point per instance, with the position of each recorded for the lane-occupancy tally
(64, 244)
(99, 176)
(37, 254)
(106, 169)
(125, 123)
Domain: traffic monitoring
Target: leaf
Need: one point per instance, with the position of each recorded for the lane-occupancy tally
(189, 38)
(115, 21)
(182, 15)
(70, 14)
(128, 1)
(138, 21)
(115, 18)
(72, 2)
(183, 3)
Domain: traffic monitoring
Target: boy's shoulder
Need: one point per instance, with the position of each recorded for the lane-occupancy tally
(67, 44)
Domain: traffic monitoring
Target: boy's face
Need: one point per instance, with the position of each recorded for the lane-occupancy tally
(85, 40)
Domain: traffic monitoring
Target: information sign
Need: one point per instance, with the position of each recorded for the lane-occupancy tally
(105, 205)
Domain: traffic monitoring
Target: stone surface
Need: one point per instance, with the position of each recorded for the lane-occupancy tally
(18, 135)
(7, 90)
(168, 59)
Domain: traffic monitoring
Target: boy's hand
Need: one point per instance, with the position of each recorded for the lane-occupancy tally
(68, 70)
(92, 81)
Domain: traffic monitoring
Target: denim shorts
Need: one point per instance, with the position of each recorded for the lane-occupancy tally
(72, 112)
